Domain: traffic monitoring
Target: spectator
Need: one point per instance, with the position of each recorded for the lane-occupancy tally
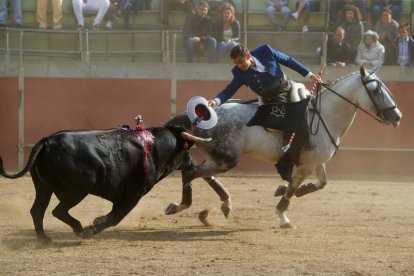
(41, 14)
(124, 8)
(304, 7)
(403, 47)
(354, 29)
(371, 53)
(387, 30)
(226, 30)
(336, 6)
(278, 6)
(185, 5)
(337, 51)
(99, 6)
(198, 33)
(378, 5)
(17, 13)
(214, 5)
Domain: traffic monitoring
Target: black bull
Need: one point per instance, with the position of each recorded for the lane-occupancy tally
(118, 165)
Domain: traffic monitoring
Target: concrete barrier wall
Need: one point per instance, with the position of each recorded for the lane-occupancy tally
(53, 104)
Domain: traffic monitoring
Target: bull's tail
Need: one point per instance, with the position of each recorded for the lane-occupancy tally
(35, 151)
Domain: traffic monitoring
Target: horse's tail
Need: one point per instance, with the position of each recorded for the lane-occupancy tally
(35, 151)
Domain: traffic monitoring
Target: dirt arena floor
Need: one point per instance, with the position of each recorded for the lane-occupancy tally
(352, 227)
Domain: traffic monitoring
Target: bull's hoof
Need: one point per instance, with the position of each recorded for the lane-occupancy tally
(226, 208)
(44, 240)
(175, 208)
(88, 232)
(280, 190)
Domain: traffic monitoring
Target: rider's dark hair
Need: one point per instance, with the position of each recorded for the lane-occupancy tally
(238, 51)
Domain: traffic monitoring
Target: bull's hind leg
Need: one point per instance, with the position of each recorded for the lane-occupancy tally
(37, 211)
(61, 211)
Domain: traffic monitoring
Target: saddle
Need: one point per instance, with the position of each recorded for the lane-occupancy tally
(282, 111)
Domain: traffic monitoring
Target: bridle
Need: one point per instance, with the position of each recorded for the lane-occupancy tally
(380, 112)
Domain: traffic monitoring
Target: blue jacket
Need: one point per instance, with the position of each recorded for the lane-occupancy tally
(271, 60)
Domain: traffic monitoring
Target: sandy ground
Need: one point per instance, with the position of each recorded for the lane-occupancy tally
(352, 227)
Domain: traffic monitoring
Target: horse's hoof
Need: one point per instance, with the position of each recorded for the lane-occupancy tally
(286, 226)
(174, 208)
(88, 232)
(203, 217)
(99, 220)
(226, 209)
(280, 190)
(171, 209)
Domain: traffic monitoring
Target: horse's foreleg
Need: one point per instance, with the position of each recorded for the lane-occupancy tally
(189, 164)
(284, 202)
(312, 187)
(222, 193)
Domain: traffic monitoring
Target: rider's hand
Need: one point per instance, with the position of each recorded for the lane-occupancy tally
(212, 103)
(316, 78)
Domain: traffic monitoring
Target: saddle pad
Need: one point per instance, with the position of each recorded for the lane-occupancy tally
(281, 116)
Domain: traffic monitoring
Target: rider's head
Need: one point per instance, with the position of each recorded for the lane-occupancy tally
(241, 57)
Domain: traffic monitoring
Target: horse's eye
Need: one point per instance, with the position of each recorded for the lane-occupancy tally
(372, 86)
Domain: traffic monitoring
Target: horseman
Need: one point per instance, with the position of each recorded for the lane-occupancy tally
(261, 71)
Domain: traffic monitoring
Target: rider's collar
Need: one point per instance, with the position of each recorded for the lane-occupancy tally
(259, 66)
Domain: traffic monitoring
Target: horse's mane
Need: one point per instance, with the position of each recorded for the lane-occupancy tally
(344, 77)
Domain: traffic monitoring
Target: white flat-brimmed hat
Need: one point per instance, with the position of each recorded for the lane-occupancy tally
(200, 114)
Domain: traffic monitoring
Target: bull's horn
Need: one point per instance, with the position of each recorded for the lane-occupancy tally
(187, 136)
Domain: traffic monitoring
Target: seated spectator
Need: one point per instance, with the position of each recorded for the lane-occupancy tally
(371, 53)
(387, 30)
(403, 47)
(17, 13)
(99, 6)
(198, 34)
(336, 6)
(337, 51)
(41, 14)
(278, 6)
(214, 5)
(124, 8)
(354, 29)
(185, 5)
(304, 8)
(226, 30)
(378, 5)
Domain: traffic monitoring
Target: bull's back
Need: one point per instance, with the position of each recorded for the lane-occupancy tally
(98, 159)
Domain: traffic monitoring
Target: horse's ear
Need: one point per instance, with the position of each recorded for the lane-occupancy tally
(362, 71)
